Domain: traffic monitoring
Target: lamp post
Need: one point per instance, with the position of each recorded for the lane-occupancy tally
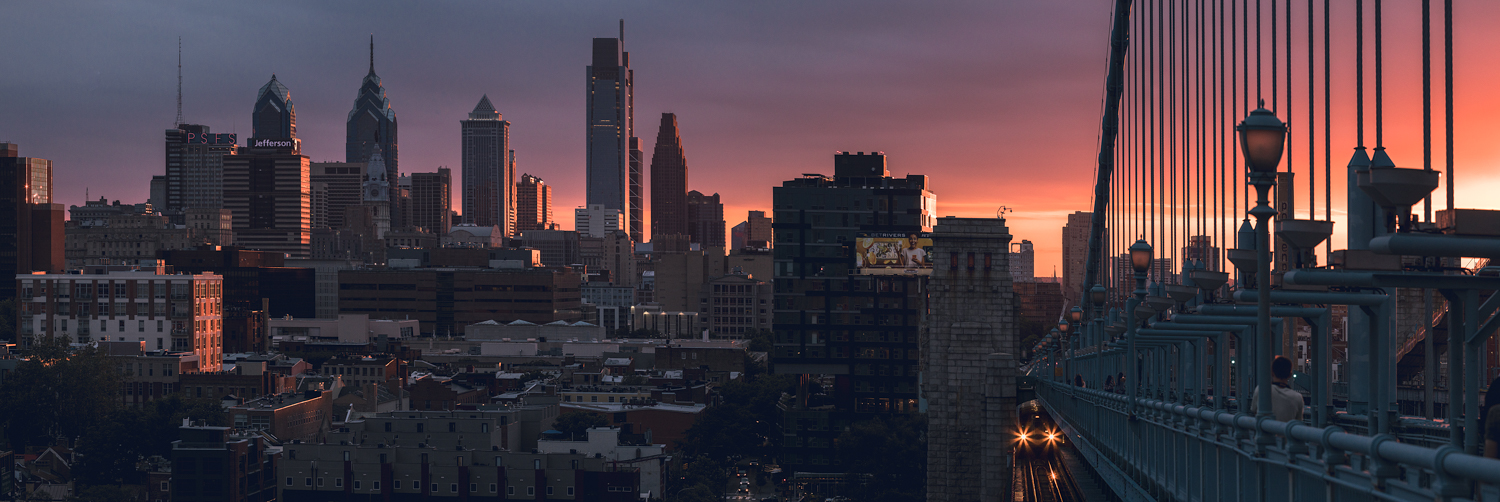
(1140, 261)
(1066, 347)
(1262, 137)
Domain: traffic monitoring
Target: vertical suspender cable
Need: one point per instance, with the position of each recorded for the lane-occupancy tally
(1169, 190)
(1427, 102)
(1448, 90)
(1327, 125)
(1379, 84)
(1359, 73)
(1312, 145)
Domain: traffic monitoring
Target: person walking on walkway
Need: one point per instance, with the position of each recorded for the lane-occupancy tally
(1286, 403)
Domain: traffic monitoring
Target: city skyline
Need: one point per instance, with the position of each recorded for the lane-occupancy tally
(823, 100)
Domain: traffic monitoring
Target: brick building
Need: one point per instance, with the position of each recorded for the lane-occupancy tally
(446, 300)
(217, 464)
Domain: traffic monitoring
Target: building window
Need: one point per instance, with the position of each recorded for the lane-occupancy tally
(510, 490)
(164, 486)
(419, 425)
(374, 485)
(484, 428)
(549, 491)
(493, 488)
(289, 481)
(536, 463)
(307, 481)
(320, 481)
(396, 484)
(473, 487)
(356, 484)
(452, 427)
(387, 426)
(570, 491)
(434, 488)
(531, 491)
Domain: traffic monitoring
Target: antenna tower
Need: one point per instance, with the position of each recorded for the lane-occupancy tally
(179, 83)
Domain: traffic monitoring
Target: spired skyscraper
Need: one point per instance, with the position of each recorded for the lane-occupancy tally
(611, 126)
(266, 185)
(669, 181)
(488, 174)
(372, 123)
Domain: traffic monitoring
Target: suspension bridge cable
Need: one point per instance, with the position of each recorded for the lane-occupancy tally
(1427, 101)
(1448, 90)
(1312, 105)
(1327, 125)
(1379, 83)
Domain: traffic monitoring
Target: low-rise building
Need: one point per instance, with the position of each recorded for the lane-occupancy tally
(737, 306)
(434, 393)
(304, 415)
(492, 331)
(358, 371)
(445, 300)
(351, 328)
(649, 459)
(213, 464)
(666, 423)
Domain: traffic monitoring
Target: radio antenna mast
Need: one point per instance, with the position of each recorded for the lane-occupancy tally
(179, 83)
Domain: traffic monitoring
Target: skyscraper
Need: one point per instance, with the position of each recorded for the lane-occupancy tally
(860, 330)
(596, 220)
(669, 181)
(637, 190)
(31, 226)
(611, 123)
(1023, 261)
(533, 204)
(431, 200)
(372, 124)
(336, 186)
(487, 175)
(1075, 251)
(705, 219)
(195, 167)
(267, 185)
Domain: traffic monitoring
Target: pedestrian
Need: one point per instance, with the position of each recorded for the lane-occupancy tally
(1078, 380)
(1490, 417)
(1286, 403)
(1120, 384)
(1109, 383)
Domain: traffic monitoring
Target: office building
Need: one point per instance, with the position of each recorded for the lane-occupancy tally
(853, 329)
(31, 226)
(128, 237)
(257, 286)
(611, 122)
(669, 181)
(195, 168)
(220, 464)
(1201, 249)
(1022, 258)
(266, 185)
(559, 248)
(637, 190)
(178, 313)
(337, 185)
(431, 201)
(1075, 246)
(445, 300)
(969, 378)
(595, 220)
(533, 205)
(371, 128)
(705, 219)
(738, 306)
(754, 232)
(488, 177)
(1039, 302)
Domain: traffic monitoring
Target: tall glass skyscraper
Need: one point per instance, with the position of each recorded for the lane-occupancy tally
(488, 175)
(372, 123)
(611, 125)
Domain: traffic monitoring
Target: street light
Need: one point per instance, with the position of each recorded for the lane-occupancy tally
(1140, 261)
(1262, 137)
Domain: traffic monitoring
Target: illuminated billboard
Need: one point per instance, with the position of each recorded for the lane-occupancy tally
(893, 253)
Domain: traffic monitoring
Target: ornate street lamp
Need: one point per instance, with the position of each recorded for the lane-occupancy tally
(1262, 137)
(1140, 261)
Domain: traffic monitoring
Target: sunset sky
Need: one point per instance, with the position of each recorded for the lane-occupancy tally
(998, 102)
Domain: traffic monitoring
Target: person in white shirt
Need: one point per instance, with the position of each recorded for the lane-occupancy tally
(913, 256)
(1286, 403)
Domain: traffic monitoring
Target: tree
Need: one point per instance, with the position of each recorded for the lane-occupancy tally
(58, 393)
(577, 423)
(761, 341)
(696, 493)
(886, 458)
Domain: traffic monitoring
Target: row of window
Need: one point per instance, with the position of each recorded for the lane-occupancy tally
(452, 487)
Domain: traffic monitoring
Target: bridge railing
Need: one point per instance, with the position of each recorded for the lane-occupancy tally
(1171, 451)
